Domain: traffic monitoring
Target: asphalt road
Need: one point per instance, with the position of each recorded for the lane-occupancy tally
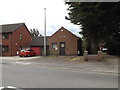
(26, 76)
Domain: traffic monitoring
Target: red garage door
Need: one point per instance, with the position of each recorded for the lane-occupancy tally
(38, 50)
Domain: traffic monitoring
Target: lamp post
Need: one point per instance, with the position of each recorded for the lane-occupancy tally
(45, 32)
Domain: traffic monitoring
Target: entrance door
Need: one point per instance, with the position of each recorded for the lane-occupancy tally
(62, 48)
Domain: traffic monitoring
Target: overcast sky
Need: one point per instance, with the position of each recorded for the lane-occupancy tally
(32, 13)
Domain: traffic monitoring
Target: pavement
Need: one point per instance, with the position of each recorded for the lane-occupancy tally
(109, 64)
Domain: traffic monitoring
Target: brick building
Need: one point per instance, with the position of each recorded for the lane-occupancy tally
(63, 42)
(38, 45)
(14, 37)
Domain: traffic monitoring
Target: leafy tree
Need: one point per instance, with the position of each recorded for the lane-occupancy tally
(98, 21)
(113, 44)
(35, 33)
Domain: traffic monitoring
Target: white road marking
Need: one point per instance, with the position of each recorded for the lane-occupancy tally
(11, 87)
(1, 88)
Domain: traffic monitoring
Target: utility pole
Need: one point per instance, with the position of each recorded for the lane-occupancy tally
(44, 31)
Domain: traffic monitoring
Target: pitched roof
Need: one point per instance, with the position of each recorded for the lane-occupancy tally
(66, 30)
(8, 28)
(39, 41)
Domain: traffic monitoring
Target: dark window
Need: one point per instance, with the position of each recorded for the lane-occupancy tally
(5, 48)
(54, 45)
(5, 36)
(30, 50)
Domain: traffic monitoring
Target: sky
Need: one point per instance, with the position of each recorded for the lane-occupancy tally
(31, 12)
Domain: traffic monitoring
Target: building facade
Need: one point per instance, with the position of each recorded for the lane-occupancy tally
(14, 37)
(63, 42)
(38, 45)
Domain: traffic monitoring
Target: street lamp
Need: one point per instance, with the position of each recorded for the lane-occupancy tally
(45, 32)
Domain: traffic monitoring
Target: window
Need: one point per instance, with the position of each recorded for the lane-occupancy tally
(30, 50)
(5, 36)
(20, 37)
(22, 50)
(62, 45)
(5, 48)
(54, 45)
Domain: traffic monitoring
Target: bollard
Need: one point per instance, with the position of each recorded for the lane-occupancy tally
(99, 55)
(86, 55)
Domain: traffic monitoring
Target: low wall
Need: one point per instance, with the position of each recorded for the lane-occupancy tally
(97, 56)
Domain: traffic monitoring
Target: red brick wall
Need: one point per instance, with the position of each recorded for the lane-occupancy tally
(14, 41)
(7, 42)
(0, 38)
(64, 36)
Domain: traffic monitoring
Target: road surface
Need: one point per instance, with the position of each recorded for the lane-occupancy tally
(27, 76)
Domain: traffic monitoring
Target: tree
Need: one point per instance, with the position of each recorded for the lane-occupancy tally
(35, 33)
(98, 21)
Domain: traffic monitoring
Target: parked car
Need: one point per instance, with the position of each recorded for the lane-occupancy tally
(26, 53)
(104, 50)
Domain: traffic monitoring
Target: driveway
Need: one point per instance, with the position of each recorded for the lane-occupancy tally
(109, 64)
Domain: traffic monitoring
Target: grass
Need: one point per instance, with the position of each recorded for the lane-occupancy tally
(51, 56)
